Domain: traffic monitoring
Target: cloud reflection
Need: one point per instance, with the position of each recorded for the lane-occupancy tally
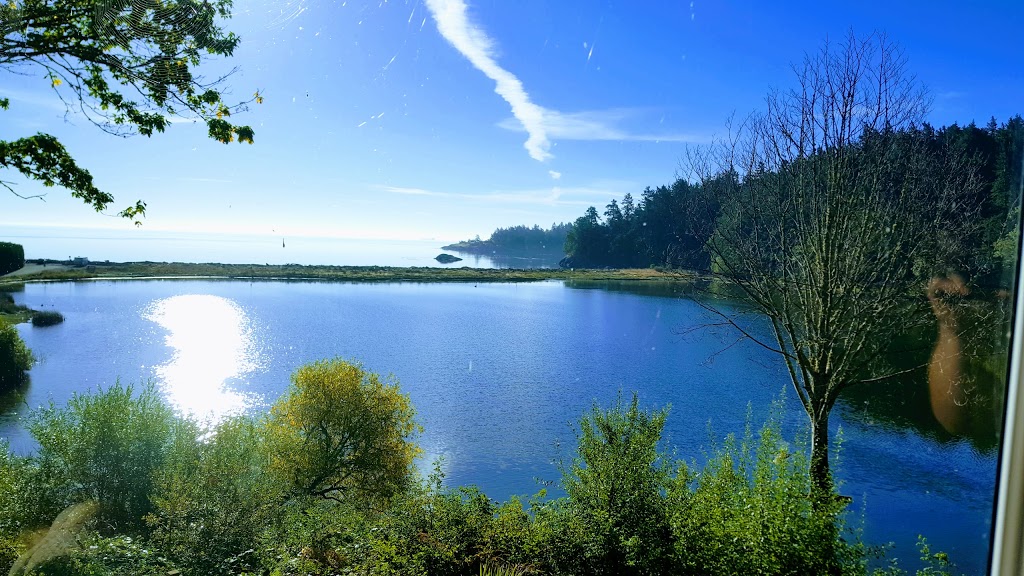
(212, 344)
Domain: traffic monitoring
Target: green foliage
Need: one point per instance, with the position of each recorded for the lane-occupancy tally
(106, 447)
(936, 563)
(115, 556)
(15, 357)
(616, 487)
(12, 256)
(502, 570)
(671, 226)
(341, 431)
(666, 228)
(749, 512)
(516, 239)
(426, 530)
(127, 66)
(47, 318)
(109, 459)
(213, 499)
(14, 472)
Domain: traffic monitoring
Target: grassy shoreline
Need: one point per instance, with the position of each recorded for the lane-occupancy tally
(165, 270)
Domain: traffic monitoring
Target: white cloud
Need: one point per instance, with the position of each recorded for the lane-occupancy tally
(453, 23)
(41, 98)
(555, 175)
(598, 125)
(410, 191)
(197, 179)
(555, 196)
(542, 125)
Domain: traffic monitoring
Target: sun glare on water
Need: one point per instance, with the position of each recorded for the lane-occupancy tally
(213, 349)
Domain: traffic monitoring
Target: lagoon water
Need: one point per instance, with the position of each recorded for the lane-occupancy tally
(498, 374)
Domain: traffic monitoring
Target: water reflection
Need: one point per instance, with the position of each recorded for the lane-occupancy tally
(213, 347)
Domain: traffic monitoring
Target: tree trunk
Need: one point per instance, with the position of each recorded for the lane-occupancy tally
(821, 489)
(821, 476)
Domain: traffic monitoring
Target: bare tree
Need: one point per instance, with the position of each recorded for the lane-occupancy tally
(836, 209)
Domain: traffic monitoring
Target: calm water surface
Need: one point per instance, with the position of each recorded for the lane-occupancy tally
(497, 373)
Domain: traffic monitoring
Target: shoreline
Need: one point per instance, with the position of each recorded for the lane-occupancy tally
(296, 272)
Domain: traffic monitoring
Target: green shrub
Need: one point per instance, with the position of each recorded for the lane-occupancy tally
(502, 570)
(12, 257)
(748, 512)
(616, 487)
(13, 492)
(47, 318)
(106, 447)
(15, 357)
(115, 556)
(214, 500)
(427, 530)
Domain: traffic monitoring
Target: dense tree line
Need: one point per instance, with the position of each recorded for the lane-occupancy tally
(671, 225)
(325, 484)
(517, 239)
(659, 230)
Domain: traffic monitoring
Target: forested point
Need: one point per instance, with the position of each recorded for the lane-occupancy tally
(516, 239)
(671, 225)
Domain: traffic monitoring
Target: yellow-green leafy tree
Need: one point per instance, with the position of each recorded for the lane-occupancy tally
(343, 432)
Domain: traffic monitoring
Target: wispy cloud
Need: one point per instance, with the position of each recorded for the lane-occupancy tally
(193, 179)
(554, 175)
(410, 191)
(600, 125)
(39, 99)
(542, 125)
(554, 196)
(470, 40)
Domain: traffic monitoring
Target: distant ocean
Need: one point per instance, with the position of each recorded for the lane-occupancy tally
(141, 245)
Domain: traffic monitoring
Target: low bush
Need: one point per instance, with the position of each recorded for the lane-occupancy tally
(748, 512)
(214, 500)
(12, 257)
(106, 447)
(114, 556)
(47, 318)
(14, 492)
(15, 357)
(616, 487)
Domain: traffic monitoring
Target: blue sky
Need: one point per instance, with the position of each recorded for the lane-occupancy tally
(442, 119)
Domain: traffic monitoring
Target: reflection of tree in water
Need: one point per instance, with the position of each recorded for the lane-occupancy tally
(510, 259)
(12, 399)
(640, 288)
(983, 325)
(904, 401)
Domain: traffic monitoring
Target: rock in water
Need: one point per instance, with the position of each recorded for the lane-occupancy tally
(447, 258)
